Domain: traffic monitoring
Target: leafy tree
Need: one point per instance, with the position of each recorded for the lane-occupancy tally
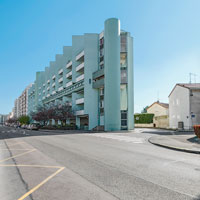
(144, 109)
(24, 119)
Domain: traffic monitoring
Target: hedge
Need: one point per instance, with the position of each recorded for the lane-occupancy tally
(144, 118)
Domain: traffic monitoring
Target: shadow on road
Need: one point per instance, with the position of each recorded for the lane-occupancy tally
(10, 132)
(197, 198)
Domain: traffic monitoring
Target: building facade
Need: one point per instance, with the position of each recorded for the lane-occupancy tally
(161, 114)
(3, 118)
(21, 104)
(184, 105)
(95, 75)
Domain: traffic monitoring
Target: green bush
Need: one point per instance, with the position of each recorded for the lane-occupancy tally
(144, 118)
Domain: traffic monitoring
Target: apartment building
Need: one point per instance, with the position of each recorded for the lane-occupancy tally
(184, 105)
(21, 103)
(95, 75)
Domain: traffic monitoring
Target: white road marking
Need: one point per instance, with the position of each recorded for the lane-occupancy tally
(119, 138)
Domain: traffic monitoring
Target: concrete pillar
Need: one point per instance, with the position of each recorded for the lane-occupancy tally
(112, 74)
(78, 122)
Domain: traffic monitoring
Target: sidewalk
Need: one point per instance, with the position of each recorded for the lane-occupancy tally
(186, 143)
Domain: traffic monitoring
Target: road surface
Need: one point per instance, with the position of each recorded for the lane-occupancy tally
(38, 165)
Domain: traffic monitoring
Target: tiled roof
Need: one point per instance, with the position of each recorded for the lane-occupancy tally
(165, 105)
(187, 85)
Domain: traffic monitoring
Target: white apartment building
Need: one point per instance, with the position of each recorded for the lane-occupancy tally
(21, 103)
(184, 105)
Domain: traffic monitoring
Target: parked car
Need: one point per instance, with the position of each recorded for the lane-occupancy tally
(33, 127)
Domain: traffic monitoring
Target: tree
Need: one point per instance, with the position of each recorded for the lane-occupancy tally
(41, 114)
(24, 119)
(144, 109)
(64, 112)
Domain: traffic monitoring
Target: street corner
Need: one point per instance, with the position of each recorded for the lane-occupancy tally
(184, 143)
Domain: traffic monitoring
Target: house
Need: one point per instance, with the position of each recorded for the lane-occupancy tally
(161, 114)
(184, 106)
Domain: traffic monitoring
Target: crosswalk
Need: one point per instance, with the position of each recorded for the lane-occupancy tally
(119, 138)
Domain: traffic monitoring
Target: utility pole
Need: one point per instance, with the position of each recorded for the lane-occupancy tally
(192, 75)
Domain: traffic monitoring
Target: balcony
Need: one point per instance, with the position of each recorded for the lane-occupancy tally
(79, 67)
(48, 88)
(69, 64)
(60, 71)
(79, 78)
(48, 95)
(80, 55)
(54, 92)
(53, 77)
(98, 74)
(98, 83)
(80, 101)
(53, 84)
(48, 81)
(43, 98)
(69, 83)
(80, 112)
(69, 74)
(44, 85)
(60, 88)
(60, 80)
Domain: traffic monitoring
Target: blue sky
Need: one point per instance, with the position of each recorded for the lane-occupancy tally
(166, 41)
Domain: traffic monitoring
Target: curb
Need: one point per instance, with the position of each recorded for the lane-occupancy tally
(174, 148)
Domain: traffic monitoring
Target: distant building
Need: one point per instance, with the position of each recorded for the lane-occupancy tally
(158, 109)
(184, 105)
(21, 103)
(3, 118)
(161, 114)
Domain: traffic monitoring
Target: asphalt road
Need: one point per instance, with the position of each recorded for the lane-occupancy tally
(38, 165)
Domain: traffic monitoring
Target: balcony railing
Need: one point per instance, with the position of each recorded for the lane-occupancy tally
(60, 80)
(69, 83)
(98, 83)
(60, 88)
(48, 88)
(79, 67)
(48, 95)
(80, 55)
(80, 112)
(69, 74)
(53, 84)
(43, 84)
(54, 92)
(53, 77)
(80, 101)
(60, 71)
(69, 64)
(79, 78)
(48, 81)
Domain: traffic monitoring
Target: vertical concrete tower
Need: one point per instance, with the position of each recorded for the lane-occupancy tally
(112, 74)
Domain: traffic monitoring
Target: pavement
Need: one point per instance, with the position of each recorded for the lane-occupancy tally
(186, 142)
(36, 165)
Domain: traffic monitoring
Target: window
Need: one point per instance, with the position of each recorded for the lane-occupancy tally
(123, 60)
